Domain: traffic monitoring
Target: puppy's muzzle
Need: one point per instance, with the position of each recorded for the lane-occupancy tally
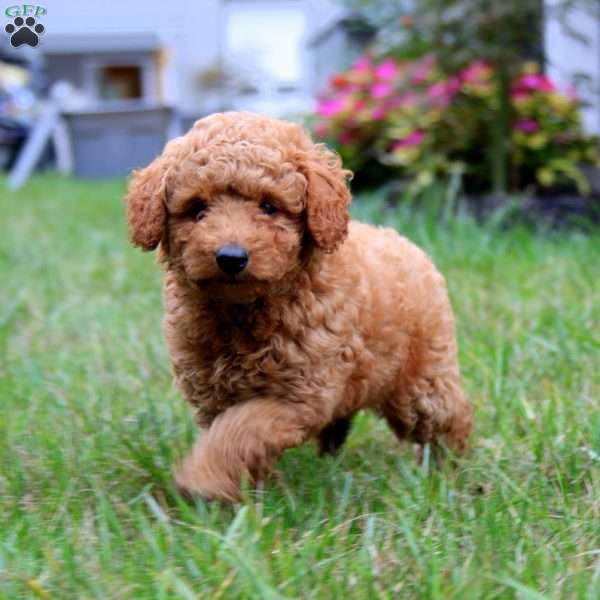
(232, 259)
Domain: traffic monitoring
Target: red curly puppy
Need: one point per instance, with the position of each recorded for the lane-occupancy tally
(282, 319)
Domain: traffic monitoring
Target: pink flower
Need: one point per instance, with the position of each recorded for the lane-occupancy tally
(520, 95)
(405, 100)
(378, 113)
(442, 92)
(527, 125)
(454, 84)
(437, 90)
(387, 69)
(534, 82)
(359, 105)
(338, 81)
(362, 65)
(412, 139)
(330, 107)
(380, 90)
(476, 72)
(420, 74)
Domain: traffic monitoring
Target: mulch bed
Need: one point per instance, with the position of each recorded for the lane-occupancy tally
(555, 208)
(552, 208)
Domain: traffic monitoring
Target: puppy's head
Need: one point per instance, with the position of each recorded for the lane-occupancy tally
(238, 203)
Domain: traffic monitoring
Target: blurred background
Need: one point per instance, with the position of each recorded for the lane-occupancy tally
(504, 97)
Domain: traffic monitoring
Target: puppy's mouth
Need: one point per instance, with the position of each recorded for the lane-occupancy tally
(236, 289)
(233, 280)
(228, 281)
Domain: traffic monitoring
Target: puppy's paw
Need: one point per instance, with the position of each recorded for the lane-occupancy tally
(193, 482)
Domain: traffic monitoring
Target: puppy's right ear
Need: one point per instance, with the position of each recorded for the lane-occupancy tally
(146, 212)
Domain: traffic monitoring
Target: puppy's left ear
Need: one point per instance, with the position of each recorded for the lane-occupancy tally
(327, 198)
(146, 197)
(145, 201)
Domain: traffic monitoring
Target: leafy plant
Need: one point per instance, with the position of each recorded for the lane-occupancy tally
(411, 117)
(459, 32)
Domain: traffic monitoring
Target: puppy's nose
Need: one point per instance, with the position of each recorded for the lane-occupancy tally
(232, 259)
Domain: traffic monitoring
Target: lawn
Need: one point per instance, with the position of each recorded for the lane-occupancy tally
(90, 426)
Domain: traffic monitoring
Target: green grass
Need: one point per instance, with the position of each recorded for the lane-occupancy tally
(90, 426)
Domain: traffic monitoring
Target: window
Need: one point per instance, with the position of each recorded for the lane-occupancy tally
(120, 82)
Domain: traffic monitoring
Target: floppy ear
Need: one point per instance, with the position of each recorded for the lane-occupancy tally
(327, 198)
(145, 200)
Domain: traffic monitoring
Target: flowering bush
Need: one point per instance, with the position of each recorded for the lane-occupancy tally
(412, 119)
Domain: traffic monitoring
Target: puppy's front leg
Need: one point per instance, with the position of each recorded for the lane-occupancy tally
(243, 442)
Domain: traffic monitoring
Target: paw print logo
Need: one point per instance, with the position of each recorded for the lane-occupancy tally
(24, 31)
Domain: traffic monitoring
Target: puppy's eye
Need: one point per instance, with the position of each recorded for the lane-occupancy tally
(268, 208)
(199, 209)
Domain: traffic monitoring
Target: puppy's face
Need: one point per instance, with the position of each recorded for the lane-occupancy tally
(240, 237)
(237, 202)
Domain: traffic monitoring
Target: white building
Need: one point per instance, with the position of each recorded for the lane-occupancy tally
(265, 55)
(575, 59)
(198, 56)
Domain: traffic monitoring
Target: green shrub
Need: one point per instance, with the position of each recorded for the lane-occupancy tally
(409, 118)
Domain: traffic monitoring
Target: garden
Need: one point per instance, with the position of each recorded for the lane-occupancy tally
(456, 91)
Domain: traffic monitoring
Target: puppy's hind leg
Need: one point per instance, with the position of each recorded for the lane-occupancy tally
(435, 412)
(427, 404)
(332, 437)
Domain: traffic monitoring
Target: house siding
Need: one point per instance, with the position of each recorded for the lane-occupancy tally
(570, 60)
(190, 33)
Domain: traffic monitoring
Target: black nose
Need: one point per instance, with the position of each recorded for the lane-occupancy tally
(232, 259)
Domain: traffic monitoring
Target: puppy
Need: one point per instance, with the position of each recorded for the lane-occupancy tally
(282, 318)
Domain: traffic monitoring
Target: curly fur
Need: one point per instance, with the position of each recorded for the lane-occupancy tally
(328, 317)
